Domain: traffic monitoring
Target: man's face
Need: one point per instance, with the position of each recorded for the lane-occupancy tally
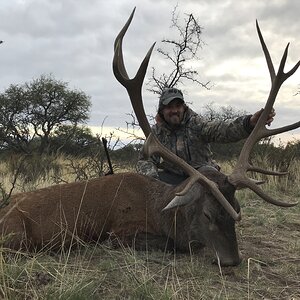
(173, 112)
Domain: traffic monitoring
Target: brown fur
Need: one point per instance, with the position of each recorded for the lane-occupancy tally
(88, 210)
(127, 206)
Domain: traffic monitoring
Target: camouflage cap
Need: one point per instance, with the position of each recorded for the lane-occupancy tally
(170, 94)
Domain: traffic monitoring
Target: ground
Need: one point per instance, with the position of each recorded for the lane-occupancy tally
(269, 239)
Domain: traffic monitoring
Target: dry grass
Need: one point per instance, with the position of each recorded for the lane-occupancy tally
(269, 238)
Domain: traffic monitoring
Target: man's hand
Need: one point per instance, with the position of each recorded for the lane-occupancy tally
(254, 118)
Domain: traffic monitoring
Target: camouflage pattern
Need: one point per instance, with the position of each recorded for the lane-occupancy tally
(191, 141)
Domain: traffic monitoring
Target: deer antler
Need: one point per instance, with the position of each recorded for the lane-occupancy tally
(152, 144)
(238, 177)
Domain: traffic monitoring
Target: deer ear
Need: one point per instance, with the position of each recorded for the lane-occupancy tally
(192, 194)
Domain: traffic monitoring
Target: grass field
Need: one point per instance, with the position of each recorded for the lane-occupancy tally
(269, 239)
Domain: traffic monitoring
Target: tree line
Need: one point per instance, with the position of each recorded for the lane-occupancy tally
(45, 117)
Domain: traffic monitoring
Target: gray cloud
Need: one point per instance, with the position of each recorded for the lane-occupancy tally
(73, 40)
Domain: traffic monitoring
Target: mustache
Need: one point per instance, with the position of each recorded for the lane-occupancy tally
(175, 114)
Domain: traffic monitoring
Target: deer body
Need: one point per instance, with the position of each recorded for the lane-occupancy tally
(89, 209)
(127, 205)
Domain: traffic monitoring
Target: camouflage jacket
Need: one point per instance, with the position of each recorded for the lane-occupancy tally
(191, 141)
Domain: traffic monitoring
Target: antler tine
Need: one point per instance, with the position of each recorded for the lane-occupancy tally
(266, 52)
(257, 190)
(122, 74)
(238, 176)
(133, 85)
(152, 144)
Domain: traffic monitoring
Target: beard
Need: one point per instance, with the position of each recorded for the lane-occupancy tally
(174, 119)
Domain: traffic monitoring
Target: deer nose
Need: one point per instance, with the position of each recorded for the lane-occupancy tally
(229, 261)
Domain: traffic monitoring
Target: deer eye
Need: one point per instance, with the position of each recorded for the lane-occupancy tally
(207, 215)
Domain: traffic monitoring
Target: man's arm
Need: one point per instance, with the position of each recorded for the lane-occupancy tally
(222, 131)
(229, 131)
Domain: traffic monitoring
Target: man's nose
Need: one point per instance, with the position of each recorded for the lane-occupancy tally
(174, 109)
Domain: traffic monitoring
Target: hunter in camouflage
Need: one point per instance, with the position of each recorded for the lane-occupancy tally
(188, 135)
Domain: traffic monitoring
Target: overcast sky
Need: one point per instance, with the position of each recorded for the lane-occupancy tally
(73, 41)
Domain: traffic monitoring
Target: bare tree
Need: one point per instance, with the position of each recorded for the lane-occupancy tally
(183, 50)
(222, 113)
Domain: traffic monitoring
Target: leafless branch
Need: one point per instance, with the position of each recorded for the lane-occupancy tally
(183, 49)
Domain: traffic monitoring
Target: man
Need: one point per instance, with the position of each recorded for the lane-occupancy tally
(188, 135)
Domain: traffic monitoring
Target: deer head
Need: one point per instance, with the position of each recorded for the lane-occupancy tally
(152, 146)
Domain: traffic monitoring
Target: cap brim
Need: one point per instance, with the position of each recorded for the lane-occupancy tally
(168, 100)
